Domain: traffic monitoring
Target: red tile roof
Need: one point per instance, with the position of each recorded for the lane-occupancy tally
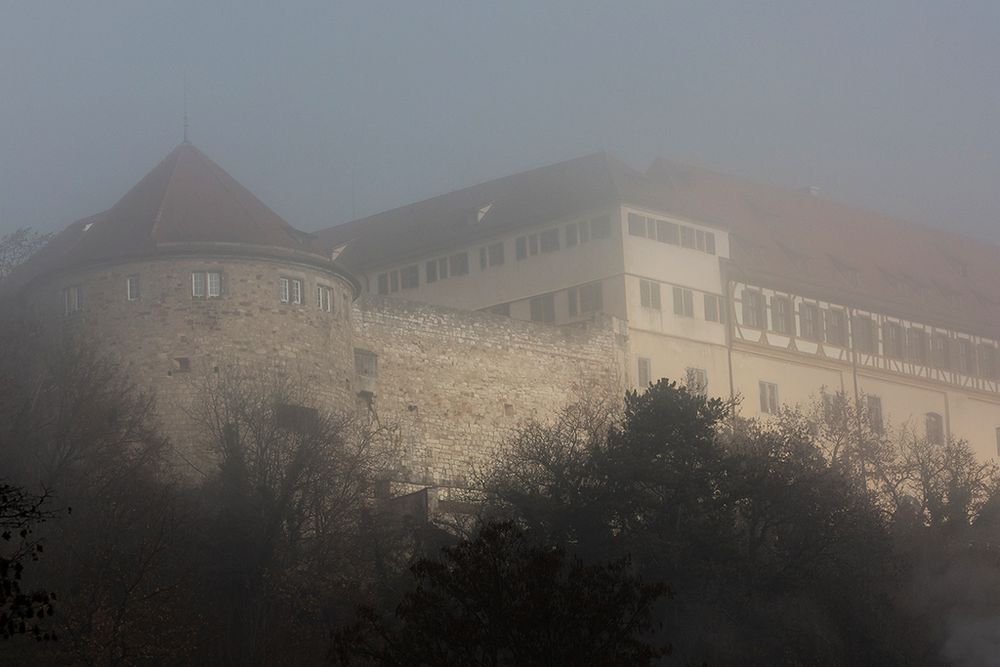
(186, 200)
(793, 238)
(528, 198)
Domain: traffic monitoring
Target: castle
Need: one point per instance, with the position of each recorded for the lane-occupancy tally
(461, 316)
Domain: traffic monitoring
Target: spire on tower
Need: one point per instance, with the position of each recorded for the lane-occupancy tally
(186, 140)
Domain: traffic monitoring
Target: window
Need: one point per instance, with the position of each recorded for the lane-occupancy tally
(892, 340)
(875, 419)
(458, 265)
(543, 308)
(667, 232)
(836, 327)
(754, 313)
(781, 315)
(600, 228)
(645, 373)
(987, 361)
(934, 428)
(285, 290)
(941, 351)
(409, 277)
(296, 290)
(206, 284)
(768, 398)
(571, 235)
(182, 364)
(532, 244)
(383, 286)
(198, 285)
(324, 298)
(494, 254)
(132, 287)
(683, 302)
(636, 225)
(809, 321)
(700, 238)
(710, 243)
(388, 283)
(688, 238)
(965, 357)
(585, 232)
(521, 247)
(696, 380)
(215, 285)
(649, 294)
(591, 298)
(72, 299)
(916, 346)
(863, 334)
(573, 299)
(431, 271)
(365, 363)
(549, 240)
(713, 308)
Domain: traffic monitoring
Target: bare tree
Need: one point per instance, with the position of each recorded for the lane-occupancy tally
(70, 420)
(294, 492)
(17, 246)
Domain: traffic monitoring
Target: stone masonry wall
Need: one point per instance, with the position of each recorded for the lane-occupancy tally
(457, 381)
(247, 324)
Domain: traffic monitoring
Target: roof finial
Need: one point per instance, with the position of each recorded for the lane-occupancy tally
(186, 110)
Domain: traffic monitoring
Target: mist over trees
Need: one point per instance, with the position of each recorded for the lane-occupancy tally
(661, 529)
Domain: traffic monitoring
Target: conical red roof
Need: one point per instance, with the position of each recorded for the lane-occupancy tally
(186, 201)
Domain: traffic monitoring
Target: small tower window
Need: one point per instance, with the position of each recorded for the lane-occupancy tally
(365, 363)
(72, 299)
(132, 287)
(206, 284)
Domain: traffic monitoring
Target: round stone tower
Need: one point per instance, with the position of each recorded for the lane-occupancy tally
(189, 270)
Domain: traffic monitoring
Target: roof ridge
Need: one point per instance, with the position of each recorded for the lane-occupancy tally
(163, 198)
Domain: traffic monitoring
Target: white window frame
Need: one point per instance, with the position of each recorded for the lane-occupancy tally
(284, 289)
(132, 287)
(296, 291)
(213, 283)
(198, 281)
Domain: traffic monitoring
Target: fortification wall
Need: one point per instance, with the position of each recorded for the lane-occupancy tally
(170, 341)
(456, 382)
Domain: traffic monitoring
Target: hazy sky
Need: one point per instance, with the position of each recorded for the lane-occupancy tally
(891, 105)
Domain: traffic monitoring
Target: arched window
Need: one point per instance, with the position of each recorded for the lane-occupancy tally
(934, 427)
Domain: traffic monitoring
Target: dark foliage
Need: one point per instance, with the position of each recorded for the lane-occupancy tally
(775, 554)
(499, 600)
(21, 612)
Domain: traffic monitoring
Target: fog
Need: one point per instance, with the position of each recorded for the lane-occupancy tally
(890, 105)
(632, 408)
